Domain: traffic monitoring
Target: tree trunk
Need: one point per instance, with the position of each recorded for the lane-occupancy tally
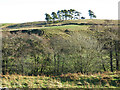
(103, 67)
(116, 54)
(55, 64)
(111, 59)
(103, 64)
(3, 67)
(22, 69)
(63, 66)
(41, 69)
(58, 64)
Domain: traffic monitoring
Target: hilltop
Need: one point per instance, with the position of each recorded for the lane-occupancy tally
(58, 27)
(58, 23)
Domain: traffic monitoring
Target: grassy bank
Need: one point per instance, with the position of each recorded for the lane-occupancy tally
(70, 80)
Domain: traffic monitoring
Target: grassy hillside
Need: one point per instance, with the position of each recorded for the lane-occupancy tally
(66, 22)
(61, 50)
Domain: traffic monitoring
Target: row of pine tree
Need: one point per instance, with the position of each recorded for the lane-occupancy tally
(67, 15)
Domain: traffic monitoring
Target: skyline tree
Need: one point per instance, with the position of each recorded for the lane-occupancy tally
(70, 14)
(48, 17)
(67, 15)
(91, 14)
(54, 16)
(63, 14)
(59, 14)
(77, 15)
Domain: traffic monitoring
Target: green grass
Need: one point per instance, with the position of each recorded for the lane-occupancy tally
(70, 27)
(5, 24)
(58, 30)
(75, 80)
(42, 23)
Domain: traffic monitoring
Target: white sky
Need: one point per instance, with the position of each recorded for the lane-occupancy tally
(19, 11)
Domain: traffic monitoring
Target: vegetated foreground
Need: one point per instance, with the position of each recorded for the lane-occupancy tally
(70, 80)
(61, 49)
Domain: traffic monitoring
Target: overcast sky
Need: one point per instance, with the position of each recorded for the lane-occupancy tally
(19, 11)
